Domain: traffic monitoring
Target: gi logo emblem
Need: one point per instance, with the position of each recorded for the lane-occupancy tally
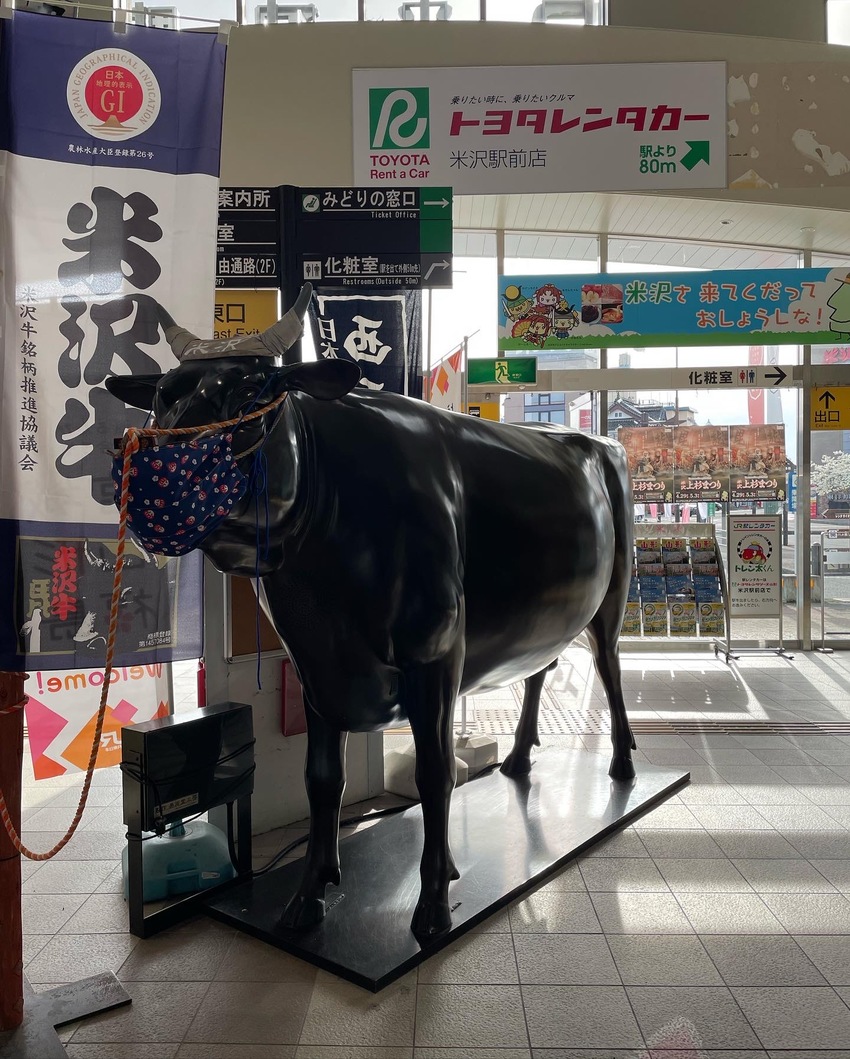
(113, 95)
(399, 118)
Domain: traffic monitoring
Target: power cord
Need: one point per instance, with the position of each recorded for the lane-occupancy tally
(350, 822)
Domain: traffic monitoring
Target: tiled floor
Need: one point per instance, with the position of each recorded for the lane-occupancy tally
(718, 925)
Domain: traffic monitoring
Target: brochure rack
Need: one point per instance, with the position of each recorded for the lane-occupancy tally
(678, 588)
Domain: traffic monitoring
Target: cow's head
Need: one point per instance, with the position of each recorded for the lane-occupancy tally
(218, 380)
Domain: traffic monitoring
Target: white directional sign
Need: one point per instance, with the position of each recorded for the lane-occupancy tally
(753, 377)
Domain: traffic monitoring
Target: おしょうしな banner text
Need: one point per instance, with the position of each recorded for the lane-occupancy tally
(736, 307)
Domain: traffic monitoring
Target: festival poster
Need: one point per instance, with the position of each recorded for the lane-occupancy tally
(701, 463)
(109, 158)
(650, 454)
(757, 458)
(62, 708)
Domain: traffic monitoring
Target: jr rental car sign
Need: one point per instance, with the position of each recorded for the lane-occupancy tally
(495, 130)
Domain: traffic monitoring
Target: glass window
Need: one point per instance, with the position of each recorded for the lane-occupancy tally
(184, 14)
(422, 10)
(554, 12)
(838, 21)
(290, 11)
(467, 308)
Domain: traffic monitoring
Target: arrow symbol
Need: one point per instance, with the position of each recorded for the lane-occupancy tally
(699, 151)
(827, 397)
(779, 375)
(436, 202)
(437, 264)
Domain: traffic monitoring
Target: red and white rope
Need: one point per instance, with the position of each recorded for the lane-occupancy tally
(131, 446)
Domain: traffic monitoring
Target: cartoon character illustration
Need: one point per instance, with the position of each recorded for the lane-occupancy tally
(839, 302)
(532, 329)
(546, 298)
(516, 304)
(754, 553)
(564, 321)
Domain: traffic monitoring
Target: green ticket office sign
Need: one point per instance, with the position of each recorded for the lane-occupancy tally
(506, 371)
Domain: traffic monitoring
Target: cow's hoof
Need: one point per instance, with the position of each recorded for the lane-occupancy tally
(303, 912)
(622, 768)
(516, 764)
(430, 920)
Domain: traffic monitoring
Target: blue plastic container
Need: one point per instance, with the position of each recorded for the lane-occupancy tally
(190, 858)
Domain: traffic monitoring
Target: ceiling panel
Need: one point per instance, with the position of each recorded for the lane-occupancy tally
(760, 223)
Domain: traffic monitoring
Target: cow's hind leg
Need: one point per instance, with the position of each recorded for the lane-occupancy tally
(603, 633)
(324, 775)
(430, 696)
(518, 762)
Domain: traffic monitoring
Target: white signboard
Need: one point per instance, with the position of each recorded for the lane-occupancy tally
(497, 129)
(755, 566)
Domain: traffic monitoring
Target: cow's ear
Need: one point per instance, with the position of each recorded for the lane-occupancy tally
(324, 379)
(136, 390)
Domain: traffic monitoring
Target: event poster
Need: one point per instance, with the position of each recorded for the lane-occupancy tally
(757, 456)
(62, 711)
(701, 463)
(755, 574)
(650, 454)
(109, 161)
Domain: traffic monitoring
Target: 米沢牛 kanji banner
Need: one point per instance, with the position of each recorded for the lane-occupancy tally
(109, 160)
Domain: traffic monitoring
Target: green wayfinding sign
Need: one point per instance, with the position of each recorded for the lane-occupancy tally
(508, 371)
(373, 238)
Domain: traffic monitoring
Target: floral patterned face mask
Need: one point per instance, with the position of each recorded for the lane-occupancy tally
(178, 494)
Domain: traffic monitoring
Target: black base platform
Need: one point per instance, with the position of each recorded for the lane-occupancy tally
(507, 836)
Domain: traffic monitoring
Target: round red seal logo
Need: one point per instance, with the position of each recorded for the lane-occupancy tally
(113, 95)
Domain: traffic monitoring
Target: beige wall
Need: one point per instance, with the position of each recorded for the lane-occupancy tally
(287, 114)
(793, 19)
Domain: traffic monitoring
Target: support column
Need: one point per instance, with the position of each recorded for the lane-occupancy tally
(11, 937)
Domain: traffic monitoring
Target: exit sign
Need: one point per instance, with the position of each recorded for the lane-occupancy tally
(506, 371)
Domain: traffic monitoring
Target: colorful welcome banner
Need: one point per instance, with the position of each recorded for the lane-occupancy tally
(62, 711)
(739, 307)
(109, 159)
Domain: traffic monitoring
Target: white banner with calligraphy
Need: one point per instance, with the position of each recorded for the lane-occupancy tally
(501, 130)
(109, 156)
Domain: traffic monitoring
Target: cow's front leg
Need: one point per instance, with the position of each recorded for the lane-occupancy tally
(324, 775)
(430, 697)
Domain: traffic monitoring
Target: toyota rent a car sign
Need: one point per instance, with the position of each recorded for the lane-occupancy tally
(495, 130)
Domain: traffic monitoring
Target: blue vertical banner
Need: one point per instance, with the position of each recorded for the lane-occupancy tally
(109, 161)
(381, 333)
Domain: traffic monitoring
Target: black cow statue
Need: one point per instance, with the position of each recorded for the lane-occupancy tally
(406, 555)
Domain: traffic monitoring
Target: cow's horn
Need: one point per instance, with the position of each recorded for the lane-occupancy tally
(271, 343)
(286, 332)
